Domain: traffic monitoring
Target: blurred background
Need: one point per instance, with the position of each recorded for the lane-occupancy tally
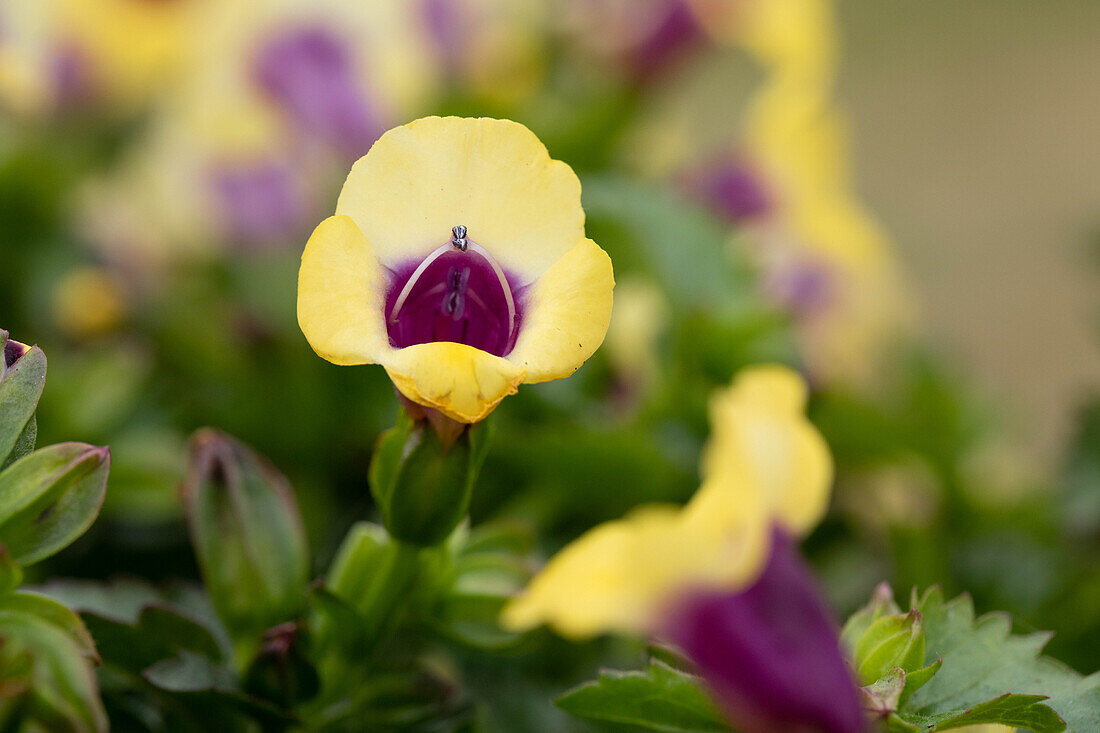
(900, 199)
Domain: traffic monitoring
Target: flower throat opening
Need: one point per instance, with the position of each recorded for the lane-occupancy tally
(459, 293)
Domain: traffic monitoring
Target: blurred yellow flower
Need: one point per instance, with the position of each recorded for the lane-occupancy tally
(117, 53)
(87, 302)
(765, 463)
(641, 315)
(457, 260)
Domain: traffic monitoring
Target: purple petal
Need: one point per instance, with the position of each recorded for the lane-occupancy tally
(676, 33)
(771, 653)
(310, 72)
(259, 202)
(733, 191)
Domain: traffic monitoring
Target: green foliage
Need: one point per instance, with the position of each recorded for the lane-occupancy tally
(987, 675)
(50, 497)
(660, 698)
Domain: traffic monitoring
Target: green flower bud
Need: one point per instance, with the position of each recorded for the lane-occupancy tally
(22, 379)
(422, 477)
(247, 536)
(891, 641)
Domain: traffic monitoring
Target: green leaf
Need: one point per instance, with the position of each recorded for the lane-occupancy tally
(35, 605)
(49, 498)
(43, 664)
(660, 698)
(20, 389)
(24, 445)
(11, 575)
(684, 246)
(991, 676)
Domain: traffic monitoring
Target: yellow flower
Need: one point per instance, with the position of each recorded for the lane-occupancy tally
(765, 463)
(88, 302)
(457, 260)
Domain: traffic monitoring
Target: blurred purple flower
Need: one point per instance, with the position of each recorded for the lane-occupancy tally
(72, 77)
(259, 203)
(771, 653)
(672, 37)
(805, 287)
(311, 73)
(733, 191)
(447, 26)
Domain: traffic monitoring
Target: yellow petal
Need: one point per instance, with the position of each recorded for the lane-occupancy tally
(624, 575)
(492, 176)
(462, 382)
(341, 295)
(566, 314)
(759, 429)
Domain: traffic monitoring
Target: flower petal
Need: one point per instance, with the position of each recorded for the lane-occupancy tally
(462, 382)
(492, 176)
(758, 428)
(341, 295)
(623, 575)
(566, 314)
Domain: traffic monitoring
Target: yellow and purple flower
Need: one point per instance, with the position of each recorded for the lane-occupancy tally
(457, 260)
(720, 576)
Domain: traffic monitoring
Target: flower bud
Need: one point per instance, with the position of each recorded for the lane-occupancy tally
(891, 641)
(770, 653)
(422, 478)
(247, 536)
(22, 378)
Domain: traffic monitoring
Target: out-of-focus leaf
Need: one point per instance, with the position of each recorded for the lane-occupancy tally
(660, 698)
(212, 686)
(684, 246)
(20, 389)
(34, 605)
(136, 626)
(43, 664)
(11, 575)
(49, 498)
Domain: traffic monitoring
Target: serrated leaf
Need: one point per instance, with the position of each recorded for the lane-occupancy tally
(989, 675)
(659, 698)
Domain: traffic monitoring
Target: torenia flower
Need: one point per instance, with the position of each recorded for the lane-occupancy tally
(765, 463)
(721, 577)
(457, 260)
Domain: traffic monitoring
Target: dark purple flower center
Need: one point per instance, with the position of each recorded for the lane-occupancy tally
(310, 72)
(771, 652)
(458, 293)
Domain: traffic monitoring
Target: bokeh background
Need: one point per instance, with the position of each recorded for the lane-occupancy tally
(901, 199)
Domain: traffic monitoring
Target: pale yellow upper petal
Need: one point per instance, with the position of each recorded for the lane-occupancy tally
(462, 382)
(623, 575)
(758, 426)
(493, 176)
(341, 295)
(566, 314)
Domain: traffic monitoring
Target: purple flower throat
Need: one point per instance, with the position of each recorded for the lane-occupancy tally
(459, 294)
